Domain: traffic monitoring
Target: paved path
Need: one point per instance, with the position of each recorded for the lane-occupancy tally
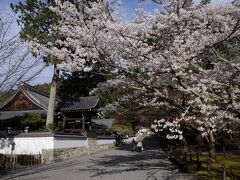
(108, 165)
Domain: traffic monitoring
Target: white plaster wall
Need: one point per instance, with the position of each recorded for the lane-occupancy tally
(74, 142)
(105, 141)
(68, 142)
(33, 145)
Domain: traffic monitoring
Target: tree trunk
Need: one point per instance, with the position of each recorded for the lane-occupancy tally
(52, 98)
(184, 149)
(212, 153)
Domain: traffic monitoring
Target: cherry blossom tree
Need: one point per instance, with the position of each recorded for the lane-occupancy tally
(183, 57)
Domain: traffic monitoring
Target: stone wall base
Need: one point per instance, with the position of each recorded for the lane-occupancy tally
(56, 155)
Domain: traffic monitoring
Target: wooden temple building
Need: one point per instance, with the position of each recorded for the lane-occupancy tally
(75, 113)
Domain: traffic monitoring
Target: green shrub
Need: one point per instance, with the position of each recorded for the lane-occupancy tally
(121, 129)
(33, 120)
(52, 127)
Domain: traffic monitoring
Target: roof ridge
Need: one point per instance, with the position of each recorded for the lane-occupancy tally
(34, 99)
(32, 88)
(36, 90)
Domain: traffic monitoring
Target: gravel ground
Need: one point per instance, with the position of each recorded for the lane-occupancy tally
(108, 165)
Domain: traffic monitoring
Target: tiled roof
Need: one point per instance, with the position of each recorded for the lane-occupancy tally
(4, 115)
(41, 99)
(5, 97)
(38, 97)
(80, 103)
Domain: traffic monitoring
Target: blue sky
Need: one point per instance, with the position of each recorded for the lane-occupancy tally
(127, 9)
(128, 6)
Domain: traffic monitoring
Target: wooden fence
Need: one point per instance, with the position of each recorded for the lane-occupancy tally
(13, 161)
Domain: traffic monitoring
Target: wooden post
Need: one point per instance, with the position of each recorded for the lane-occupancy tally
(83, 122)
(224, 177)
(209, 169)
(12, 155)
(171, 152)
(30, 159)
(16, 159)
(198, 163)
(64, 122)
(185, 156)
(4, 164)
(13, 163)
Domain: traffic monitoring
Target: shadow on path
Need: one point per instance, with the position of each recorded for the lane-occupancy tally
(150, 164)
(150, 161)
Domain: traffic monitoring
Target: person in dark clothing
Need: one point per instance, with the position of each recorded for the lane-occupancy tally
(118, 139)
(134, 145)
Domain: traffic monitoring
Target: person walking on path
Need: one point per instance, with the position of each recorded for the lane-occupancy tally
(139, 146)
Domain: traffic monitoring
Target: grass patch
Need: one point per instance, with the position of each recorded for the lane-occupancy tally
(230, 161)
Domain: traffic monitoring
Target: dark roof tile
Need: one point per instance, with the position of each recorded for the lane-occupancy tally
(80, 103)
(35, 134)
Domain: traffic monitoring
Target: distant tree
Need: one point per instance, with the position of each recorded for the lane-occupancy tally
(77, 84)
(43, 87)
